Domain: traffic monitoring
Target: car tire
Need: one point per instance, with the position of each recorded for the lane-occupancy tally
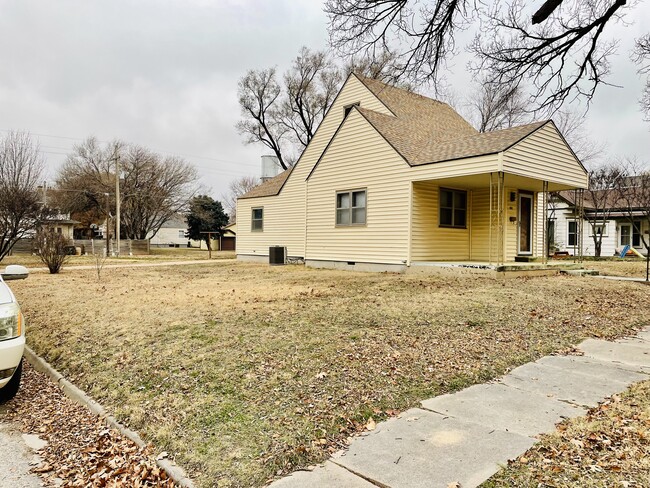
(9, 391)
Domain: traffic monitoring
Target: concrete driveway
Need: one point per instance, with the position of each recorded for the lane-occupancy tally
(16, 458)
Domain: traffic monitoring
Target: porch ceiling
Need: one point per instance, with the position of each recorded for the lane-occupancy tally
(483, 181)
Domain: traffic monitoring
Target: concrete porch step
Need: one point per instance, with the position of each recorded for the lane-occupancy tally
(579, 272)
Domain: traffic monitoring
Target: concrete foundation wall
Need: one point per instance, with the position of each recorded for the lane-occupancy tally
(367, 267)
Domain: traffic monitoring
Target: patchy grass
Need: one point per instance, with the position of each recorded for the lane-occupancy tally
(610, 447)
(619, 267)
(244, 372)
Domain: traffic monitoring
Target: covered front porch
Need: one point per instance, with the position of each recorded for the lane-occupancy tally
(483, 220)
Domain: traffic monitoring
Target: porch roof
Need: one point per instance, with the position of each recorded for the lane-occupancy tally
(482, 180)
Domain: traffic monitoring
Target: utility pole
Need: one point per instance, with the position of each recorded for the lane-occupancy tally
(108, 220)
(117, 201)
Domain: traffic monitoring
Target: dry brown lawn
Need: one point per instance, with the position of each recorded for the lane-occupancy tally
(244, 372)
(628, 267)
(157, 254)
(610, 447)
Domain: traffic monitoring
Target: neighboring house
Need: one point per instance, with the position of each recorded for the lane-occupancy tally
(62, 224)
(617, 231)
(172, 234)
(393, 179)
(228, 240)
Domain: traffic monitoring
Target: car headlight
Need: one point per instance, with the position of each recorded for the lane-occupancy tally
(11, 322)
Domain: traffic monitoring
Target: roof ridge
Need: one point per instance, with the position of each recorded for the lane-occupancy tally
(388, 86)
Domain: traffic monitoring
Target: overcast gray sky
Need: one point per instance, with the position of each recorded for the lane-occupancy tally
(164, 74)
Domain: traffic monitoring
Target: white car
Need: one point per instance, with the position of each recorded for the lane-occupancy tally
(12, 334)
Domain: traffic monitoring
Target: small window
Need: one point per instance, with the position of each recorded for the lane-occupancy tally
(257, 221)
(351, 207)
(181, 234)
(572, 238)
(599, 230)
(453, 208)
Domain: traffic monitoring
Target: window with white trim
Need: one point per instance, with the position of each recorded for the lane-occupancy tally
(453, 208)
(599, 229)
(181, 234)
(351, 207)
(257, 219)
(572, 235)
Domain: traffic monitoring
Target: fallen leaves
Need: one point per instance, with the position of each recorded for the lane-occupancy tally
(608, 447)
(80, 450)
(287, 368)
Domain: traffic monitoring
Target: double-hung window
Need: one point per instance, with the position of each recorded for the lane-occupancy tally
(572, 237)
(453, 208)
(257, 220)
(351, 207)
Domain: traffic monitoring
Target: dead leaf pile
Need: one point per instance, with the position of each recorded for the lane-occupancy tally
(81, 451)
(608, 447)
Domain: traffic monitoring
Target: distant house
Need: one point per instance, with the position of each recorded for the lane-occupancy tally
(172, 234)
(617, 231)
(392, 179)
(61, 224)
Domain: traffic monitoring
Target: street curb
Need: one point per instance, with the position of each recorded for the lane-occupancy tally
(175, 472)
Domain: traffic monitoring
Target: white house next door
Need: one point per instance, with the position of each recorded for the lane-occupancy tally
(525, 238)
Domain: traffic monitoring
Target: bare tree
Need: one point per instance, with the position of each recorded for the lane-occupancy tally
(559, 52)
(153, 187)
(237, 188)
(51, 247)
(634, 188)
(21, 167)
(642, 58)
(498, 107)
(310, 88)
(382, 66)
(259, 99)
(571, 124)
(602, 197)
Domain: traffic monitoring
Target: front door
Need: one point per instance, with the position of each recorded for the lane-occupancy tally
(625, 235)
(525, 224)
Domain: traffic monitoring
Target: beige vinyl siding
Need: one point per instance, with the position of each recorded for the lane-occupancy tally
(544, 156)
(284, 214)
(459, 167)
(480, 226)
(359, 158)
(430, 242)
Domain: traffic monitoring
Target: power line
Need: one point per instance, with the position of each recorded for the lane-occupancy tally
(169, 153)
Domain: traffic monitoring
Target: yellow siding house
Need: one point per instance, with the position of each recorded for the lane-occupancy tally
(393, 179)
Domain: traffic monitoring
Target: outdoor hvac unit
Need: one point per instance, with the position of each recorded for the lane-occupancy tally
(277, 255)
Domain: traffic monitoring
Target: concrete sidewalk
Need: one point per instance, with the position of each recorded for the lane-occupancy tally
(464, 437)
(16, 459)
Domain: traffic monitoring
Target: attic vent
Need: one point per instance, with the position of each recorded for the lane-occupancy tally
(347, 108)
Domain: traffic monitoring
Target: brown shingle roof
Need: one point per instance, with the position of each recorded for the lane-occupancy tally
(430, 119)
(414, 141)
(428, 131)
(270, 187)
